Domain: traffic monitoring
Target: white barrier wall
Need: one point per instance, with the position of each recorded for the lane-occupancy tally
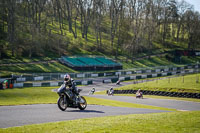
(37, 84)
(154, 75)
(182, 72)
(84, 82)
(18, 85)
(80, 75)
(53, 83)
(62, 75)
(166, 69)
(107, 81)
(118, 73)
(157, 70)
(122, 78)
(138, 72)
(128, 73)
(132, 77)
(148, 71)
(94, 75)
(164, 74)
(38, 78)
(144, 76)
(21, 79)
(173, 73)
(191, 71)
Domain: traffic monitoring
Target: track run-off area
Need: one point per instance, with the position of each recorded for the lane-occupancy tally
(12, 116)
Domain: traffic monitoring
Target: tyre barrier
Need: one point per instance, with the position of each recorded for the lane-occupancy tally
(161, 93)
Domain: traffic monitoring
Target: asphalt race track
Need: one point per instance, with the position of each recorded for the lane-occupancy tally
(167, 103)
(11, 116)
(43, 113)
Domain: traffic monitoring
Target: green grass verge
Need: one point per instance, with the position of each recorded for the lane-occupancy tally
(44, 95)
(31, 95)
(107, 102)
(179, 84)
(179, 122)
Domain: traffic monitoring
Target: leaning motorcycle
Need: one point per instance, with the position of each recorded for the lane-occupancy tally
(68, 99)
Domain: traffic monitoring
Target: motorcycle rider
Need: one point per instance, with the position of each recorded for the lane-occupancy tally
(68, 81)
(110, 92)
(139, 94)
(92, 91)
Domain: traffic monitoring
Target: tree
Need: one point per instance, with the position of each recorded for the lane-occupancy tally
(182, 8)
(192, 26)
(114, 16)
(99, 6)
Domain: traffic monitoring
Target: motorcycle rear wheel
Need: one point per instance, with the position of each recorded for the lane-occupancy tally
(61, 105)
(82, 105)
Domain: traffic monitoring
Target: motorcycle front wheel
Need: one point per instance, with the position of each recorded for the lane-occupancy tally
(61, 104)
(82, 104)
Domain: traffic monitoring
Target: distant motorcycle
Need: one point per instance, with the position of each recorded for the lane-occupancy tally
(139, 94)
(118, 82)
(68, 99)
(92, 91)
(110, 92)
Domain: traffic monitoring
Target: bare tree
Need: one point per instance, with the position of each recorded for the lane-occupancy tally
(182, 8)
(99, 6)
(192, 27)
(11, 23)
(114, 16)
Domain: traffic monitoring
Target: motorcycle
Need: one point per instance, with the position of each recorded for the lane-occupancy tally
(118, 82)
(68, 99)
(110, 92)
(139, 95)
(92, 91)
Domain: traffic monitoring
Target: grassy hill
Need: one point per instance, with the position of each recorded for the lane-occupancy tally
(47, 43)
(188, 83)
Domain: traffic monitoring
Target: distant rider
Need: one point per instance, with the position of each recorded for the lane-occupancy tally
(92, 91)
(110, 92)
(139, 94)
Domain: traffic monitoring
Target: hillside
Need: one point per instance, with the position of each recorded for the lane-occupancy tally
(42, 31)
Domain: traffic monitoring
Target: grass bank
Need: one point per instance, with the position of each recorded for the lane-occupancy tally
(179, 122)
(53, 67)
(34, 68)
(187, 83)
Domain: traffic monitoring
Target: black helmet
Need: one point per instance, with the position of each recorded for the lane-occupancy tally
(67, 77)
